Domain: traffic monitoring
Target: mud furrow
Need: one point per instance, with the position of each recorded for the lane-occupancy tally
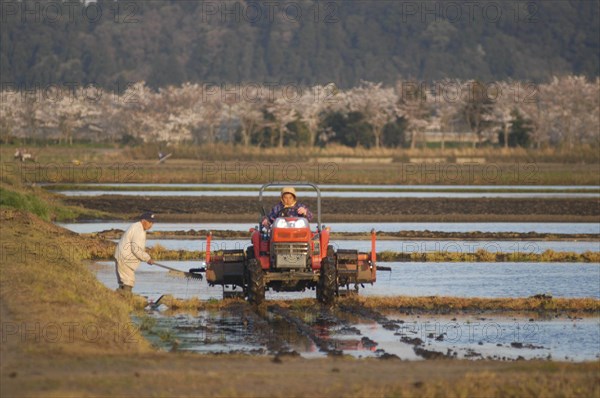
(323, 344)
(262, 328)
(372, 315)
(327, 343)
(391, 325)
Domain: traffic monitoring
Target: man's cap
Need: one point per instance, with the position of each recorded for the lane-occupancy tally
(288, 190)
(148, 216)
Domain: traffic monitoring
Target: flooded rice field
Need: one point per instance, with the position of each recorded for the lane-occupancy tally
(313, 333)
(405, 279)
(361, 332)
(340, 191)
(524, 227)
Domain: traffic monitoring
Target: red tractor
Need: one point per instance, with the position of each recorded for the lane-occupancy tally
(289, 256)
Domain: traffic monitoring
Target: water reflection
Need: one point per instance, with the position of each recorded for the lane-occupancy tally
(488, 280)
(405, 279)
(496, 337)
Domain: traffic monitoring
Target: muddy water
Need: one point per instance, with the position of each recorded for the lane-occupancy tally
(410, 279)
(314, 334)
(317, 331)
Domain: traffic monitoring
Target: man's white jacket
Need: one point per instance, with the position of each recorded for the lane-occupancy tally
(130, 251)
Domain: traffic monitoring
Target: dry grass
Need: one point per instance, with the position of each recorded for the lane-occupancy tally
(447, 304)
(180, 375)
(428, 304)
(46, 287)
(481, 255)
(189, 164)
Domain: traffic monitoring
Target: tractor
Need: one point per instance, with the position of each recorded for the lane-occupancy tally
(289, 256)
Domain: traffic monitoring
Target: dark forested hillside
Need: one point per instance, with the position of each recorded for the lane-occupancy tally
(110, 43)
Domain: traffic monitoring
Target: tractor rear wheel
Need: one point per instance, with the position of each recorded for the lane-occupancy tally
(327, 286)
(256, 282)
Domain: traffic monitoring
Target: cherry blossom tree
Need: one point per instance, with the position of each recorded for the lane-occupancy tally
(313, 103)
(414, 106)
(379, 105)
(284, 113)
(251, 119)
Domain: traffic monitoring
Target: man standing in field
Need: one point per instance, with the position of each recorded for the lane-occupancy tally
(131, 250)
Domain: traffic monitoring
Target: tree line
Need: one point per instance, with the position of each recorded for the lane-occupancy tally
(112, 43)
(563, 112)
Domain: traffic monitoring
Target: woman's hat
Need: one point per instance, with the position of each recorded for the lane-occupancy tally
(288, 190)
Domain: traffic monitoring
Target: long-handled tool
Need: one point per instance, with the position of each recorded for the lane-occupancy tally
(180, 273)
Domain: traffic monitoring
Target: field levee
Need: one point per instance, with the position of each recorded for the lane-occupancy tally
(245, 209)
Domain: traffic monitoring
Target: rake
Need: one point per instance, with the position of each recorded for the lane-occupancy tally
(180, 273)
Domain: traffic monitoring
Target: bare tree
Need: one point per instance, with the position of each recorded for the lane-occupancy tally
(251, 119)
(477, 108)
(413, 106)
(284, 113)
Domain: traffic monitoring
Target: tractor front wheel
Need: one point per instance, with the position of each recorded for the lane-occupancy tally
(256, 282)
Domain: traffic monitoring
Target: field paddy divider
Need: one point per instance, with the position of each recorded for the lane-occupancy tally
(158, 252)
(370, 305)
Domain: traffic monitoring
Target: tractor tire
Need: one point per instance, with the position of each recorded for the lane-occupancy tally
(256, 282)
(327, 287)
(330, 251)
(250, 252)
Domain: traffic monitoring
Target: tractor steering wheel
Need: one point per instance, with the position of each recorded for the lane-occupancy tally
(286, 212)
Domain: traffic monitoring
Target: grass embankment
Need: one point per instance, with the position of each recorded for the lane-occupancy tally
(43, 204)
(548, 256)
(53, 303)
(537, 303)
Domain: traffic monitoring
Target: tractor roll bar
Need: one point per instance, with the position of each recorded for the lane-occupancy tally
(294, 184)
